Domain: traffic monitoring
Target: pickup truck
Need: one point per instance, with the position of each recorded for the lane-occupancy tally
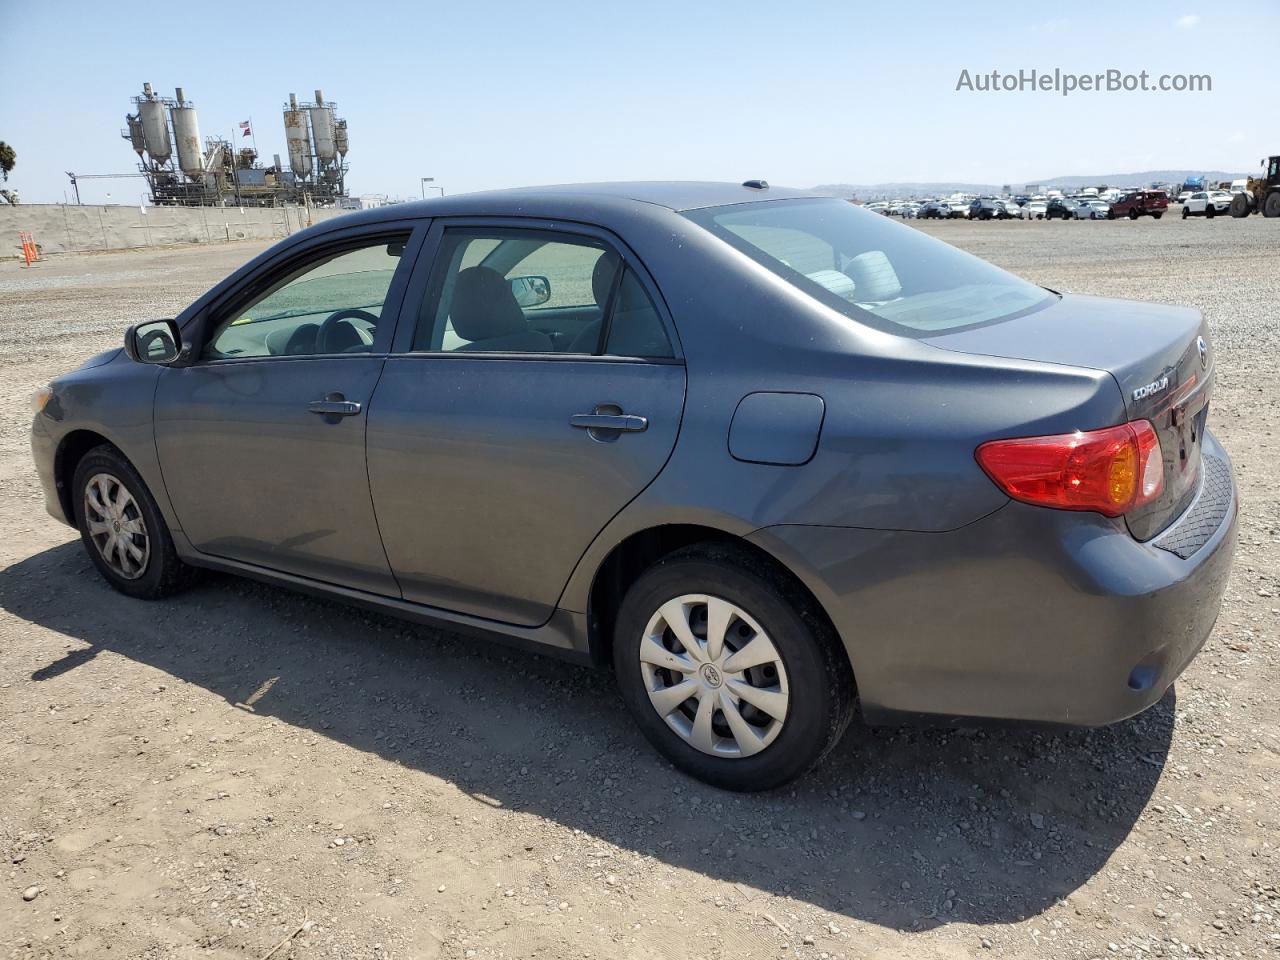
(1139, 203)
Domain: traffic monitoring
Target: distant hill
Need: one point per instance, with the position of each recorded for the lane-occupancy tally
(871, 191)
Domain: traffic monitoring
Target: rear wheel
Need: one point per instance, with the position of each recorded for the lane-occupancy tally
(1133, 214)
(1271, 206)
(122, 528)
(1239, 206)
(729, 671)
(1157, 215)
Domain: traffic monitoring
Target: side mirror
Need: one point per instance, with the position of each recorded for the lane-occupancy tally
(154, 342)
(531, 291)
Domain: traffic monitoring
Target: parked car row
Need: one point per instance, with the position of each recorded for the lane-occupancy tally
(1089, 206)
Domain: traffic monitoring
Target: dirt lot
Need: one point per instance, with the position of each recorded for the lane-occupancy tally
(206, 776)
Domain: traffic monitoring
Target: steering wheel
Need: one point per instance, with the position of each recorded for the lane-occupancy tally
(326, 334)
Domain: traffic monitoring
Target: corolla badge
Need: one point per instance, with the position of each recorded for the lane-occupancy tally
(1151, 389)
(1204, 352)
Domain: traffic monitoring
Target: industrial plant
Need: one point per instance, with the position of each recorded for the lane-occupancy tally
(184, 170)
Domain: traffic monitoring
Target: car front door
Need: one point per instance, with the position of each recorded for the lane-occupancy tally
(261, 440)
(506, 433)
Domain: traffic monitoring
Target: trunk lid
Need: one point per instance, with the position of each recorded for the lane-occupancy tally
(1159, 356)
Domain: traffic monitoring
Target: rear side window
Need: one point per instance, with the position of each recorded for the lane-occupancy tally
(635, 329)
(528, 291)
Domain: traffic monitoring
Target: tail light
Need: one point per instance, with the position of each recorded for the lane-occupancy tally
(1110, 471)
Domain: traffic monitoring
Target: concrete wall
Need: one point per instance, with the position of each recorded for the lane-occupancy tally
(62, 228)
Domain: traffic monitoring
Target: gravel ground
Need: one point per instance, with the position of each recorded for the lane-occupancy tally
(241, 766)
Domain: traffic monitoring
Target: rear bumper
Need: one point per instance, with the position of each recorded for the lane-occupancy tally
(1028, 614)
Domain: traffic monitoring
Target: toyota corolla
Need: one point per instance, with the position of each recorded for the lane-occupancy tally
(775, 459)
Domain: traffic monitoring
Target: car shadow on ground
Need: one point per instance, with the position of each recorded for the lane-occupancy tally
(906, 828)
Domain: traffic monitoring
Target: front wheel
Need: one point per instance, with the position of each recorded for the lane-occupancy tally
(122, 527)
(729, 671)
(1210, 211)
(1185, 213)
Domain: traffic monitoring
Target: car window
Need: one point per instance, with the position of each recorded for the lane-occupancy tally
(635, 327)
(532, 291)
(873, 270)
(326, 305)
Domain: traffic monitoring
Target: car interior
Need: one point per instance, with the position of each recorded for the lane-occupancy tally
(475, 307)
(327, 306)
(516, 291)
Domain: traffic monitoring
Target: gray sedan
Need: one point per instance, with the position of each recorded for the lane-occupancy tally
(775, 459)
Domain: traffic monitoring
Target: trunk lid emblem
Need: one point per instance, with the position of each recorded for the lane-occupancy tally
(1151, 389)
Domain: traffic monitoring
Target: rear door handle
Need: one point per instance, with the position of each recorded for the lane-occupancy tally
(623, 422)
(334, 408)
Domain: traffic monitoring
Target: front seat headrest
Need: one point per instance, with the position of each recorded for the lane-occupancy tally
(602, 277)
(484, 306)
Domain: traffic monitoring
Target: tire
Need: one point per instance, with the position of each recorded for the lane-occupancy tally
(1157, 216)
(145, 565)
(1210, 211)
(1185, 213)
(1111, 214)
(805, 662)
(1133, 214)
(1271, 206)
(1239, 206)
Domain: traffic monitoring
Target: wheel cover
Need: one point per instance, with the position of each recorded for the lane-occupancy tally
(116, 526)
(714, 676)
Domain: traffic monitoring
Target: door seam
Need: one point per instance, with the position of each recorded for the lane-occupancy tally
(368, 480)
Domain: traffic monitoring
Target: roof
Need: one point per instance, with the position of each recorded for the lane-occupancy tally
(673, 194)
(602, 203)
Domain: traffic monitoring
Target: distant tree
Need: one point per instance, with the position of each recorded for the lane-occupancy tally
(8, 158)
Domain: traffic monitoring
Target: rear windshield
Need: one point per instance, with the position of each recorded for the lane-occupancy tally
(884, 274)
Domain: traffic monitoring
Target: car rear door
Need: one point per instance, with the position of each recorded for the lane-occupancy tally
(261, 441)
(493, 464)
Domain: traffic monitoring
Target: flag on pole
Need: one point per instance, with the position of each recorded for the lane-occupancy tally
(244, 125)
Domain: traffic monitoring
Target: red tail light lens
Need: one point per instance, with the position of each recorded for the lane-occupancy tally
(1109, 471)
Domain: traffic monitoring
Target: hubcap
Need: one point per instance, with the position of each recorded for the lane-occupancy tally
(116, 526)
(714, 676)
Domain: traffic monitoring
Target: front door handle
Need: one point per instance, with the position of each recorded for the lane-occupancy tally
(334, 406)
(622, 422)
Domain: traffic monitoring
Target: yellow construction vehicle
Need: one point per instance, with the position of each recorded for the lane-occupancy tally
(1260, 193)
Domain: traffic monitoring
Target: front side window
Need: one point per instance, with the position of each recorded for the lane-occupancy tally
(884, 274)
(529, 291)
(328, 305)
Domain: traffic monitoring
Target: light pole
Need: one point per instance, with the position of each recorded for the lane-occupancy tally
(425, 181)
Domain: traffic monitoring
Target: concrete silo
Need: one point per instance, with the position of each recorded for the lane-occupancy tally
(186, 131)
(322, 130)
(155, 127)
(297, 138)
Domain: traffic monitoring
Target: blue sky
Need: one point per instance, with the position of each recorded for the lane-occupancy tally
(502, 94)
